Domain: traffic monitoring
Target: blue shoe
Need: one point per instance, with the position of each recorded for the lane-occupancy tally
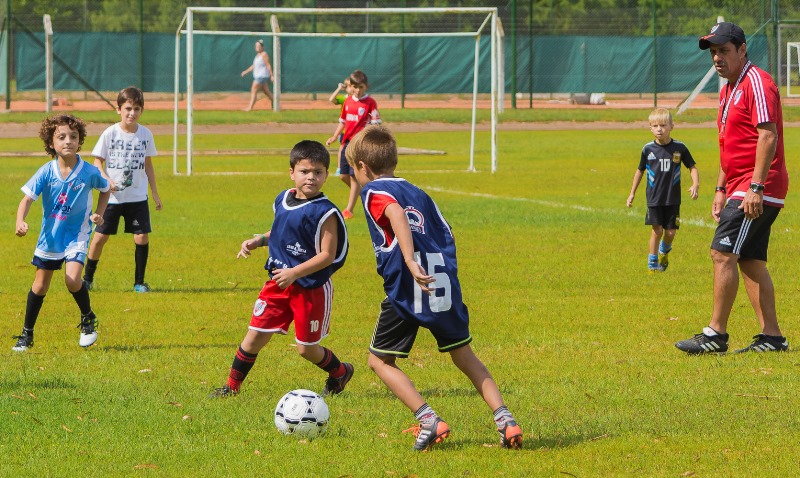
(141, 288)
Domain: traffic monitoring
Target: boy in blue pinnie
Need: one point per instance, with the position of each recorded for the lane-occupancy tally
(416, 255)
(307, 244)
(662, 159)
(65, 185)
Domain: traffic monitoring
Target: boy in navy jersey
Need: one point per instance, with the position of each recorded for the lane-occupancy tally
(65, 185)
(416, 256)
(662, 159)
(307, 244)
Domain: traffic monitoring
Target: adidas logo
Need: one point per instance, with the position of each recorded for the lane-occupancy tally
(710, 346)
(725, 241)
(135, 222)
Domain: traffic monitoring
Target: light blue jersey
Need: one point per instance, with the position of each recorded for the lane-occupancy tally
(66, 205)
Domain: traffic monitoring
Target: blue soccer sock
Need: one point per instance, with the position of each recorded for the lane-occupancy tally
(652, 261)
(664, 248)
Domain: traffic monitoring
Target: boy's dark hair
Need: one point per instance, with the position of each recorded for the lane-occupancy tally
(132, 94)
(376, 147)
(358, 77)
(50, 124)
(313, 151)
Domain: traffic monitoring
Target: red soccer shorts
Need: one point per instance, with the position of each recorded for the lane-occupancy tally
(310, 309)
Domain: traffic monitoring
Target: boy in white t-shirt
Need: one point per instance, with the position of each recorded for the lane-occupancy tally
(123, 154)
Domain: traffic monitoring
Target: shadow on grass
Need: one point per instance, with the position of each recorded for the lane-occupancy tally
(137, 348)
(55, 383)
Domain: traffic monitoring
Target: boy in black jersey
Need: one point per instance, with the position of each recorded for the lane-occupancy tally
(662, 159)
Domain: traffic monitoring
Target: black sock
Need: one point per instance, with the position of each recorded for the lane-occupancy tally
(242, 363)
(82, 299)
(32, 308)
(141, 262)
(91, 267)
(331, 364)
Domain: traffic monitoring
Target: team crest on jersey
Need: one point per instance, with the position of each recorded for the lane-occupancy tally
(737, 97)
(415, 220)
(676, 157)
(77, 185)
(361, 111)
(295, 249)
(259, 308)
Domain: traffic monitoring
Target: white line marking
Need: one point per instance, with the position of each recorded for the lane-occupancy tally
(557, 205)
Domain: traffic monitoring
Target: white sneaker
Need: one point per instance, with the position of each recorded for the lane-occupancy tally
(88, 328)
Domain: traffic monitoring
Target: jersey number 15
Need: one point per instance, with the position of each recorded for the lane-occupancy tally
(438, 300)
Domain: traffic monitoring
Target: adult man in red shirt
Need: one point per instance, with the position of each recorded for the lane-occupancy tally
(751, 188)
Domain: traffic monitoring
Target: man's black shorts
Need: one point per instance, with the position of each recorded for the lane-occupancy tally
(749, 239)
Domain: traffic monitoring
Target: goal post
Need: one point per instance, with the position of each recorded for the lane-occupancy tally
(792, 50)
(187, 29)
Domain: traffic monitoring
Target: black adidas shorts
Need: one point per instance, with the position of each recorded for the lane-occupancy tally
(136, 214)
(747, 238)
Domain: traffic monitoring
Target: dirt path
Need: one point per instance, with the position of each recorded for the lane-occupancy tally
(29, 130)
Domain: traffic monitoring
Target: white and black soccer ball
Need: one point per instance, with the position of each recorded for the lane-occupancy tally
(303, 413)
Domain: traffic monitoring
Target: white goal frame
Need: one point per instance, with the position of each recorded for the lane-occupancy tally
(186, 27)
(790, 46)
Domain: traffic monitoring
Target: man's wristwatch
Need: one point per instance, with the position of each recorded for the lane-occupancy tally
(757, 187)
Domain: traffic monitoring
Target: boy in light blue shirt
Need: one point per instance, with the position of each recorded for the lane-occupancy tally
(65, 185)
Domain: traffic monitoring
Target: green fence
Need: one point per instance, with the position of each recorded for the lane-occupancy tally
(561, 64)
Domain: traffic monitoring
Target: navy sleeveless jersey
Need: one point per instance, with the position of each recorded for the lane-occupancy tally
(662, 164)
(296, 232)
(434, 249)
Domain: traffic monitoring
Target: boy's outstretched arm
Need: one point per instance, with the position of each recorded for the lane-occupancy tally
(327, 253)
(336, 134)
(402, 234)
(100, 210)
(693, 191)
(332, 99)
(259, 240)
(22, 212)
(637, 178)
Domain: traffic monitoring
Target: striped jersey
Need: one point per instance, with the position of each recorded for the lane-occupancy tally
(754, 101)
(296, 232)
(662, 166)
(434, 250)
(66, 205)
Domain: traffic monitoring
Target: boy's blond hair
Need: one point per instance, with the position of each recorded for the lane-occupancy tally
(660, 115)
(376, 147)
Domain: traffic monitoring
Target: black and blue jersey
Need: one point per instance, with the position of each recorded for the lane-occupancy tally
(662, 166)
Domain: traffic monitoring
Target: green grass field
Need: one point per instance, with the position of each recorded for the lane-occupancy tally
(553, 265)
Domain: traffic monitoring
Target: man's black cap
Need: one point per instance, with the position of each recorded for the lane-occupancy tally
(722, 32)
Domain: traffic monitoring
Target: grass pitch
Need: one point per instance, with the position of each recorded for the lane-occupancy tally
(577, 334)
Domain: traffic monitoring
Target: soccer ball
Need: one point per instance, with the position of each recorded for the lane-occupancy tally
(303, 413)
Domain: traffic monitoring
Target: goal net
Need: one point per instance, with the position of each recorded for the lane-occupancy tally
(394, 33)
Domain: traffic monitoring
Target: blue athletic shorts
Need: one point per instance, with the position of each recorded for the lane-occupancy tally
(344, 167)
(55, 265)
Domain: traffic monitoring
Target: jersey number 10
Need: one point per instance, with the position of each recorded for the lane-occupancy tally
(438, 301)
